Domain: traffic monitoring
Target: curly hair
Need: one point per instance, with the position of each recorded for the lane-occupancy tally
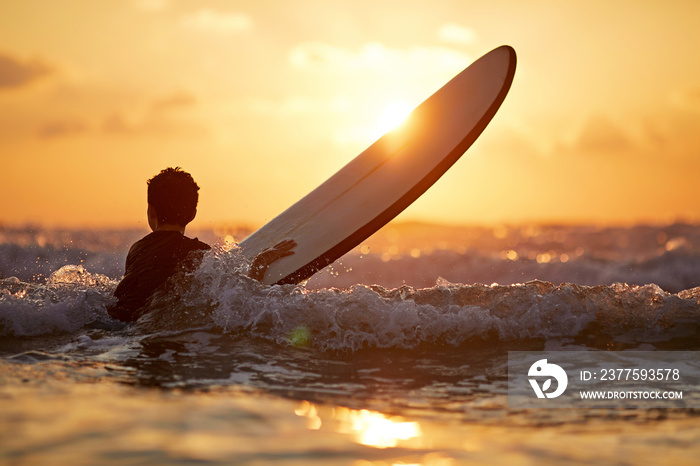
(173, 194)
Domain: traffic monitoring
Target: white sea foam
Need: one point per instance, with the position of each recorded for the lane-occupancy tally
(71, 299)
(445, 314)
(389, 299)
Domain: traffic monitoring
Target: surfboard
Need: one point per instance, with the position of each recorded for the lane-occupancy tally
(389, 175)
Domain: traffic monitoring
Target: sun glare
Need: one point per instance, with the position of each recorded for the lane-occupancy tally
(369, 428)
(393, 115)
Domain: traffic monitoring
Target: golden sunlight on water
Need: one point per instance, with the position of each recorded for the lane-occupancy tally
(58, 413)
(430, 443)
(370, 428)
(375, 429)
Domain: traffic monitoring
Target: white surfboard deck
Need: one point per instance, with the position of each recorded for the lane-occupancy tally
(389, 175)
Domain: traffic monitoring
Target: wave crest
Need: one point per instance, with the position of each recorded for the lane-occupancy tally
(446, 314)
(71, 299)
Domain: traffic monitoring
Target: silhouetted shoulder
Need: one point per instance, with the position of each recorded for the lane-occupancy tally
(150, 263)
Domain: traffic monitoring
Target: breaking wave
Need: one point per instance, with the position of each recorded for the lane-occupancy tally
(340, 311)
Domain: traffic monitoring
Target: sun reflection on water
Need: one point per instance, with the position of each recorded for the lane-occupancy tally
(375, 429)
(370, 428)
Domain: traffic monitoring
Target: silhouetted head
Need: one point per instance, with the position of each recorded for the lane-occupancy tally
(173, 194)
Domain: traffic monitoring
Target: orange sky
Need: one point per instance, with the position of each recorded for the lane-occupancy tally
(263, 100)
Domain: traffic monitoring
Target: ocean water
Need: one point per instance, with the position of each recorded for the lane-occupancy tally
(395, 354)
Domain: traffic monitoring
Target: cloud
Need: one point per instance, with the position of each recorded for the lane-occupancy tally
(376, 56)
(688, 100)
(175, 101)
(150, 118)
(60, 128)
(694, 96)
(601, 136)
(152, 5)
(672, 132)
(151, 124)
(456, 34)
(118, 124)
(298, 105)
(216, 22)
(15, 73)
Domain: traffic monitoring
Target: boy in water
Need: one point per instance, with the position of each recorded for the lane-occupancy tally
(172, 204)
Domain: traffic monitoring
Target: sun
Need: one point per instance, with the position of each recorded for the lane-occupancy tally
(392, 116)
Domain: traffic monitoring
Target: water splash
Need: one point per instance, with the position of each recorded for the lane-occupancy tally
(220, 297)
(71, 299)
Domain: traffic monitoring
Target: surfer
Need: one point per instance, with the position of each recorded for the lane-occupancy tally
(151, 261)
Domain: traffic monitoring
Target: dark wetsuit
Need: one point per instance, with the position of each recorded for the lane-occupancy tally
(150, 262)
